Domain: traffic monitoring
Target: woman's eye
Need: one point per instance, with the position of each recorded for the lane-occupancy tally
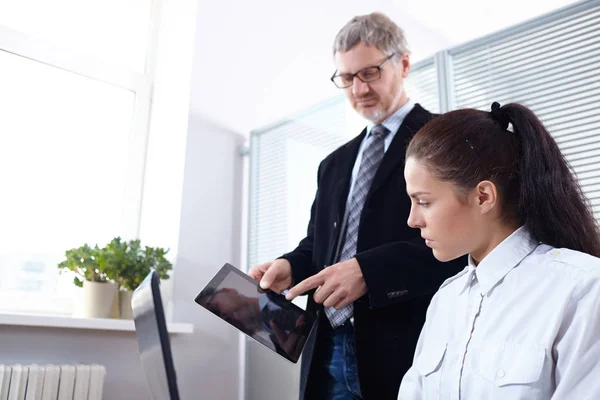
(422, 203)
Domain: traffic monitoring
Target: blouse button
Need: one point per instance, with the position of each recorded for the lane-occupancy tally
(500, 373)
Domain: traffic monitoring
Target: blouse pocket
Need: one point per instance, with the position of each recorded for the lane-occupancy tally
(429, 364)
(430, 360)
(510, 364)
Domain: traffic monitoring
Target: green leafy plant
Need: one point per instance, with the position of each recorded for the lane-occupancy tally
(88, 263)
(125, 262)
(131, 262)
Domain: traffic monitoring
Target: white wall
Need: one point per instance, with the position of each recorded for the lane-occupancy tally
(208, 360)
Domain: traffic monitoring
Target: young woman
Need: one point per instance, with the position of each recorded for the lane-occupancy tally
(522, 320)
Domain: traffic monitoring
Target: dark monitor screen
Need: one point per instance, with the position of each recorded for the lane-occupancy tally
(263, 315)
(153, 339)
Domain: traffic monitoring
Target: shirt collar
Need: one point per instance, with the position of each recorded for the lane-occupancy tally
(503, 258)
(470, 268)
(393, 122)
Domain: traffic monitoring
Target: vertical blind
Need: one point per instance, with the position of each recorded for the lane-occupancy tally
(283, 173)
(422, 85)
(551, 66)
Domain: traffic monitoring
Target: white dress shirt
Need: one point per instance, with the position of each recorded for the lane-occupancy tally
(522, 325)
(392, 123)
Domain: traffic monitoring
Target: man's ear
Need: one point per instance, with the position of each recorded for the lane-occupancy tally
(405, 62)
(486, 196)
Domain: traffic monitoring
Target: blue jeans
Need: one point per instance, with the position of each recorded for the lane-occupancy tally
(341, 382)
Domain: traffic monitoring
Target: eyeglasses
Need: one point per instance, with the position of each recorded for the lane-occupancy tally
(369, 74)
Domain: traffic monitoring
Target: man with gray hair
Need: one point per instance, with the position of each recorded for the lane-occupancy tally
(368, 275)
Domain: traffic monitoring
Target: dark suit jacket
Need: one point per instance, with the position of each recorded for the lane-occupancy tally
(400, 271)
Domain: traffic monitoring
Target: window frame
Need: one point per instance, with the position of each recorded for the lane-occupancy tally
(141, 84)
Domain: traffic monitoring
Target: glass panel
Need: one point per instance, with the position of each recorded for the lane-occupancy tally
(114, 30)
(64, 146)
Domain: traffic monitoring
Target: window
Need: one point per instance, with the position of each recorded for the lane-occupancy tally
(422, 85)
(284, 161)
(72, 137)
(550, 65)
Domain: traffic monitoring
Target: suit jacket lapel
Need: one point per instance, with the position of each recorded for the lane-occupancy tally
(346, 157)
(394, 155)
(344, 163)
(345, 160)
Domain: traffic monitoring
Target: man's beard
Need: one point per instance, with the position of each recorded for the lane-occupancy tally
(374, 114)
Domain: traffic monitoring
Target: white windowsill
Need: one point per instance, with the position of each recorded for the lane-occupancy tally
(102, 324)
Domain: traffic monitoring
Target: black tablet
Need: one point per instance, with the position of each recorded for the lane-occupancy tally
(261, 314)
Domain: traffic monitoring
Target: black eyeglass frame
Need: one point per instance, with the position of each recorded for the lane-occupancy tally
(357, 74)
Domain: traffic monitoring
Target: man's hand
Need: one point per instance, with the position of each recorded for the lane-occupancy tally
(338, 285)
(275, 275)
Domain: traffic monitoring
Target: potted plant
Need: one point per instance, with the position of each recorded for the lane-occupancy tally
(92, 273)
(131, 263)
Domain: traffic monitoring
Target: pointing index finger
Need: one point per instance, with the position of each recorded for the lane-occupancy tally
(304, 286)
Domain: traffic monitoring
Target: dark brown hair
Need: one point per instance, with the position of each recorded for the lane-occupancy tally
(535, 183)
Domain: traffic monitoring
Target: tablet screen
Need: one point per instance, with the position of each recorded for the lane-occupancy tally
(261, 314)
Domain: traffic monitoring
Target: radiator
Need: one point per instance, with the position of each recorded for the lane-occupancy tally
(51, 382)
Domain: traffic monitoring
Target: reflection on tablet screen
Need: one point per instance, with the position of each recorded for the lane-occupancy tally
(263, 315)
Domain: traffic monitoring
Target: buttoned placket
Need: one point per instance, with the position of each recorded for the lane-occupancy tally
(474, 300)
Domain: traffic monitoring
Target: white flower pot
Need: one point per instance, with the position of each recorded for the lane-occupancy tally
(125, 304)
(115, 312)
(98, 299)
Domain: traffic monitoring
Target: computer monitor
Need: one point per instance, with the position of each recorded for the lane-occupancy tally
(153, 339)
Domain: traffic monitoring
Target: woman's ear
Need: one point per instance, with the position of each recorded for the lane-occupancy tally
(486, 196)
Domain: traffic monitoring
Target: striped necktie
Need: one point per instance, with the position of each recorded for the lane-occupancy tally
(371, 158)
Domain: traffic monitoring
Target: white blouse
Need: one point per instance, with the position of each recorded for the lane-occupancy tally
(524, 324)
